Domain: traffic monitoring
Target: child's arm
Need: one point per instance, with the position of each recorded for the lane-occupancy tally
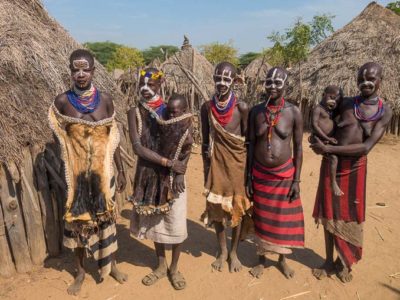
(315, 126)
(179, 180)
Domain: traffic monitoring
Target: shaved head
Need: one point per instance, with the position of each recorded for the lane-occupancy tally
(224, 75)
(371, 66)
(369, 79)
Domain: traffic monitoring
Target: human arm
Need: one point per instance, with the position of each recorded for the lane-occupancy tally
(121, 181)
(205, 138)
(294, 191)
(250, 142)
(361, 148)
(146, 153)
(316, 113)
(179, 180)
(244, 114)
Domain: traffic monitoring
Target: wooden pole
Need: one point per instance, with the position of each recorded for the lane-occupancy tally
(51, 229)
(15, 230)
(31, 211)
(7, 268)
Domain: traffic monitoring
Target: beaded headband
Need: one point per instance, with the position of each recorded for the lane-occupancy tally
(152, 75)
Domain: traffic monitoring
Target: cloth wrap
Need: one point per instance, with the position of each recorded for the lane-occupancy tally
(278, 223)
(343, 216)
(87, 152)
(225, 185)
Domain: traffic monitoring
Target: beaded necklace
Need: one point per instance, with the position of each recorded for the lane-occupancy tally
(223, 111)
(362, 116)
(84, 101)
(272, 116)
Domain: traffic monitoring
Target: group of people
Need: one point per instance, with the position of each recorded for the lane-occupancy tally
(252, 164)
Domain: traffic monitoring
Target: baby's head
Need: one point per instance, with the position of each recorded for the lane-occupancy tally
(176, 106)
(331, 97)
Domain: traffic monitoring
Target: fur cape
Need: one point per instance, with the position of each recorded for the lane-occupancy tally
(169, 138)
(87, 151)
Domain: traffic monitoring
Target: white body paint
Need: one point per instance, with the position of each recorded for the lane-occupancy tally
(366, 83)
(81, 65)
(146, 88)
(270, 81)
(225, 79)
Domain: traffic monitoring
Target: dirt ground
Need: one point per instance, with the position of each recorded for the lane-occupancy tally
(377, 276)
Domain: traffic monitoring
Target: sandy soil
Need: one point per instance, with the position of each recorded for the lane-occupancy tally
(372, 278)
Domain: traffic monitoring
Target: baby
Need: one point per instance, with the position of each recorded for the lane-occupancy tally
(175, 144)
(323, 127)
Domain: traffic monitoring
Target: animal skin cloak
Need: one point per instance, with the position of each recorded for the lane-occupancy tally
(170, 138)
(87, 151)
(225, 187)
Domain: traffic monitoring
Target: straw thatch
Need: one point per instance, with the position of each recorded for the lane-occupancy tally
(374, 35)
(177, 81)
(257, 66)
(34, 52)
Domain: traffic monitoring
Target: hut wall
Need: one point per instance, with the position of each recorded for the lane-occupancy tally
(32, 198)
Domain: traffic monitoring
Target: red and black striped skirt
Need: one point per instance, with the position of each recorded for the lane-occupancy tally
(346, 211)
(276, 220)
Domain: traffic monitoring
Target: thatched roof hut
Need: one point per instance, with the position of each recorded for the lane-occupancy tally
(34, 54)
(257, 66)
(374, 35)
(177, 81)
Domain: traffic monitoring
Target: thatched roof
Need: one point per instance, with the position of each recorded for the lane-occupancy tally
(374, 35)
(257, 65)
(34, 53)
(192, 60)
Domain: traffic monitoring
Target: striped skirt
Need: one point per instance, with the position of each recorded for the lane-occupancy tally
(100, 243)
(278, 223)
(343, 216)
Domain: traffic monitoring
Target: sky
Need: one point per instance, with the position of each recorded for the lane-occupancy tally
(141, 24)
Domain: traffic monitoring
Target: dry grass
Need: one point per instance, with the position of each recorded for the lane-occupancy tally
(34, 52)
(374, 35)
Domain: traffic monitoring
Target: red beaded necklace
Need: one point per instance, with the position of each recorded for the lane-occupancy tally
(272, 116)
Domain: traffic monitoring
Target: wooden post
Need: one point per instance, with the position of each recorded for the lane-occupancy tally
(7, 268)
(31, 211)
(51, 229)
(15, 230)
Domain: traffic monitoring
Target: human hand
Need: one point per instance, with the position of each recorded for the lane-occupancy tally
(318, 147)
(121, 182)
(178, 167)
(294, 191)
(178, 186)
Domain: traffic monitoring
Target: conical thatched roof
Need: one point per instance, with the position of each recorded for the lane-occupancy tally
(257, 65)
(34, 53)
(192, 60)
(374, 35)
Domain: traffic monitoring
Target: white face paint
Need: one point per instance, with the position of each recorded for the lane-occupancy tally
(81, 67)
(366, 83)
(274, 82)
(146, 88)
(224, 79)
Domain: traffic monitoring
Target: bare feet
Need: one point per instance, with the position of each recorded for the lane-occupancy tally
(117, 275)
(75, 287)
(155, 276)
(257, 271)
(284, 268)
(218, 264)
(336, 189)
(234, 263)
(326, 270)
(342, 272)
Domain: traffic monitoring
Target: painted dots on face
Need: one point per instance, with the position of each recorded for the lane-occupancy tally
(81, 68)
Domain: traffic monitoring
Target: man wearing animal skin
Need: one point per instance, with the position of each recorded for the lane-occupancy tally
(83, 119)
(224, 125)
